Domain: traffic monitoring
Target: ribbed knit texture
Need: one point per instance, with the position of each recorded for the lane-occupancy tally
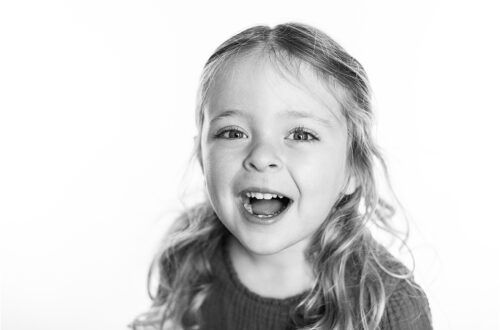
(232, 306)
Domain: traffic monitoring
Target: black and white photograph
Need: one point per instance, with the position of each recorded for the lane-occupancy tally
(265, 165)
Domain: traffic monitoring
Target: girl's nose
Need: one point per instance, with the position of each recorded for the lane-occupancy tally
(262, 157)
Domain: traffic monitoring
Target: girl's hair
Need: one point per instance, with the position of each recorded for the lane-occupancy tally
(352, 272)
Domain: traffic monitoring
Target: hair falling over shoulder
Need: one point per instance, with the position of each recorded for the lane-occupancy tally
(352, 271)
(183, 269)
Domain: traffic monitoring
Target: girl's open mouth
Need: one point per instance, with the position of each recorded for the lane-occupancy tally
(264, 205)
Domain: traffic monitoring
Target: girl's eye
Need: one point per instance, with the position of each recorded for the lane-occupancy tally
(231, 134)
(301, 134)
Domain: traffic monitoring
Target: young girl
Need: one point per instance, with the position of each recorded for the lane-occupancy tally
(283, 242)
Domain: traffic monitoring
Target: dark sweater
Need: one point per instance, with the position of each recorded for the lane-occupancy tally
(232, 306)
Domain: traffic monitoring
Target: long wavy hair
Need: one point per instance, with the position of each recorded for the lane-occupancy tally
(352, 271)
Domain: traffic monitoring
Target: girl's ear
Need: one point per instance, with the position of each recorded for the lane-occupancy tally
(197, 149)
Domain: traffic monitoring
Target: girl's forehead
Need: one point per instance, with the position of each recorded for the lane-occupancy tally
(254, 80)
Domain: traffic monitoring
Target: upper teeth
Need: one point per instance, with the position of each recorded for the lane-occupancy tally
(263, 195)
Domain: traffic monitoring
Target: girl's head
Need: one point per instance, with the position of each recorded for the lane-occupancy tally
(284, 111)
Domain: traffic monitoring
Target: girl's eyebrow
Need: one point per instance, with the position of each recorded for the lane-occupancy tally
(228, 113)
(307, 115)
(288, 113)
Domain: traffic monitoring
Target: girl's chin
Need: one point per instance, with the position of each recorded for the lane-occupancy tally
(263, 250)
(266, 246)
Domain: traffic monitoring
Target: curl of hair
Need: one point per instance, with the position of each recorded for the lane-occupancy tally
(350, 268)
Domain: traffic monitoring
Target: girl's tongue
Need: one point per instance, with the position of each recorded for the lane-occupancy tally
(266, 206)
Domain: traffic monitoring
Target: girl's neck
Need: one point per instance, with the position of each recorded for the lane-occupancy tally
(280, 275)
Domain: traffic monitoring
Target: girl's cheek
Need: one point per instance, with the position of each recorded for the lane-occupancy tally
(220, 162)
(303, 158)
(228, 149)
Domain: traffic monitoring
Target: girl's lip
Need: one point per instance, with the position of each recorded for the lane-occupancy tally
(243, 198)
(262, 220)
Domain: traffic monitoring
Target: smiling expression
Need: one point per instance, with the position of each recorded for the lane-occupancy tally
(264, 132)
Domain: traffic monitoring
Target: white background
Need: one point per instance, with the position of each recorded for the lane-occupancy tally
(96, 127)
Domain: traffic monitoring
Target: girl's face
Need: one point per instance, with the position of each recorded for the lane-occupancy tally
(263, 136)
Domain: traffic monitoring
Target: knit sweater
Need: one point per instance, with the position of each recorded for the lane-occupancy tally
(232, 306)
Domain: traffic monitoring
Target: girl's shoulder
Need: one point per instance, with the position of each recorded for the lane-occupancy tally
(407, 307)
